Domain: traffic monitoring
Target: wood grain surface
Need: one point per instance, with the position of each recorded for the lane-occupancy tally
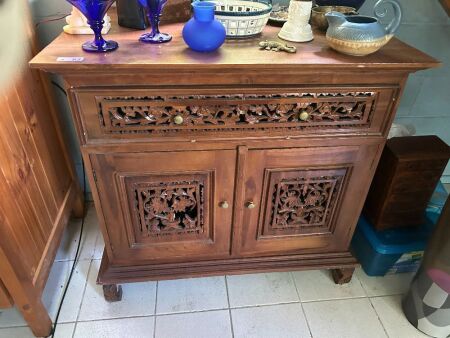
(134, 56)
(39, 189)
(236, 161)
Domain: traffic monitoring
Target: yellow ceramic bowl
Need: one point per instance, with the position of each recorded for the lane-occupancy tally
(319, 20)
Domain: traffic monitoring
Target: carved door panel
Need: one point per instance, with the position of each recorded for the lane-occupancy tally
(302, 200)
(166, 206)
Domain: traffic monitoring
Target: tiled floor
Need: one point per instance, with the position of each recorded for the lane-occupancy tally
(291, 304)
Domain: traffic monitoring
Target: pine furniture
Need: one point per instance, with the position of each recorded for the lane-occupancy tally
(39, 189)
(236, 161)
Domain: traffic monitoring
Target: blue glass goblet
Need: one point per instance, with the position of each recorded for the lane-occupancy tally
(154, 8)
(94, 11)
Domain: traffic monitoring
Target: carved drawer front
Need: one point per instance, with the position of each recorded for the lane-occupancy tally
(303, 200)
(140, 113)
(166, 206)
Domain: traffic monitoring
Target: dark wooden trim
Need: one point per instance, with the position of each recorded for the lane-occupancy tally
(110, 274)
(242, 153)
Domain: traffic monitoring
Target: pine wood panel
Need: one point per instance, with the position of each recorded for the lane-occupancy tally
(5, 298)
(39, 190)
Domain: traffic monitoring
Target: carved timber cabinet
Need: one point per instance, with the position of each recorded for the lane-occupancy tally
(230, 162)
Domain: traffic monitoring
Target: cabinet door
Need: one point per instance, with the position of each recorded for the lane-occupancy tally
(303, 200)
(166, 205)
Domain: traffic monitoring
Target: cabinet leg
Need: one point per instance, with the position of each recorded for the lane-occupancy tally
(342, 276)
(112, 292)
(37, 317)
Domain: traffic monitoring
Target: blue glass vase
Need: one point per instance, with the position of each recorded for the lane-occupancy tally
(202, 32)
(154, 9)
(94, 11)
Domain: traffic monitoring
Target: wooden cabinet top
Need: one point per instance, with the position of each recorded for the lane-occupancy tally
(135, 57)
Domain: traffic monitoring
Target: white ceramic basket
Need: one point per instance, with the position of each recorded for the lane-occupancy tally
(242, 18)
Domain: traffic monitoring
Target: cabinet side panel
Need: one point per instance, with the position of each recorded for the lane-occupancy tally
(39, 187)
(5, 299)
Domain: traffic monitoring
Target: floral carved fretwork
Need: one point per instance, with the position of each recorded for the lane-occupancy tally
(303, 200)
(155, 114)
(170, 208)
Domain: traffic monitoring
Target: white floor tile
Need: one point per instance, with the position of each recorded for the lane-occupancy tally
(11, 317)
(349, 318)
(91, 232)
(72, 301)
(385, 286)
(319, 285)
(64, 330)
(69, 242)
(390, 311)
(117, 328)
(16, 332)
(193, 294)
(53, 291)
(138, 299)
(275, 321)
(209, 324)
(99, 247)
(261, 289)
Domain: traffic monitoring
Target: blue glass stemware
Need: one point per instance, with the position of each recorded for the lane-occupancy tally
(94, 11)
(154, 8)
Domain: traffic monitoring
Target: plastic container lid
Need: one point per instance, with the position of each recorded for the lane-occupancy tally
(439, 197)
(397, 241)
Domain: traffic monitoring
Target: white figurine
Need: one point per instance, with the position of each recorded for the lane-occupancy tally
(77, 23)
(297, 28)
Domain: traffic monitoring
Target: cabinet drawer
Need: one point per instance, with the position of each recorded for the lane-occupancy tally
(140, 113)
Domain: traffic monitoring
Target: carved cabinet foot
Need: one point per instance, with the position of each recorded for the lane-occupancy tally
(342, 276)
(112, 292)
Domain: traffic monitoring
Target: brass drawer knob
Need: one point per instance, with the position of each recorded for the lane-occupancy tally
(178, 119)
(250, 205)
(224, 205)
(304, 116)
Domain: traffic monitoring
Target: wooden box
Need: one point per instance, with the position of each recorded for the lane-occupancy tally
(410, 168)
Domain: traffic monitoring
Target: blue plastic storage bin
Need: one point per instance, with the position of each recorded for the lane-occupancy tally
(396, 250)
(437, 202)
(378, 252)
